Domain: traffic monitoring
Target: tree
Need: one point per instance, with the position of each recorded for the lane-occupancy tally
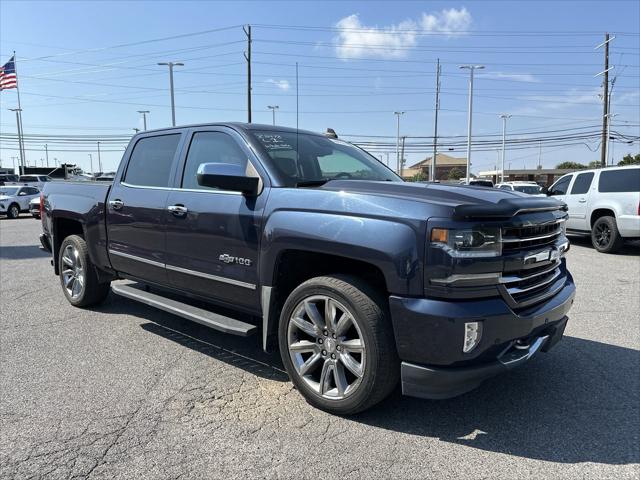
(571, 166)
(629, 159)
(595, 164)
(455, 174)
(419, 177)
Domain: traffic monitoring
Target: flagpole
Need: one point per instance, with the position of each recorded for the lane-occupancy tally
(20, 129)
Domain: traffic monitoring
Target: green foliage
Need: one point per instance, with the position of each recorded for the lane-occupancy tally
(595, 164)
(455, 174)
(571, 166)
(629, 159)
(419, 177)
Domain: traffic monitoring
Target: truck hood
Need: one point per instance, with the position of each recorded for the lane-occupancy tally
(466, 201)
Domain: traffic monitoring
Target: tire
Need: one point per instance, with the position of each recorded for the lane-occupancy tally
(605, 236)
(78, 276)
(310, 354)
(13, 211)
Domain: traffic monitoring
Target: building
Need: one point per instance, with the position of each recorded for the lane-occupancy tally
(444, 165)
(542, 176)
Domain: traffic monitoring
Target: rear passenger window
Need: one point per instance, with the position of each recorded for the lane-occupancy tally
(151, 160)
(210, 147)
(624, 180)
(582, 183)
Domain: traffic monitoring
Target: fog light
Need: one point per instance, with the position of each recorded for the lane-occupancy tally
(472, 335)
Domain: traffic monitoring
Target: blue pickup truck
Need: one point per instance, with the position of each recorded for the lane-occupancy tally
(359, 279)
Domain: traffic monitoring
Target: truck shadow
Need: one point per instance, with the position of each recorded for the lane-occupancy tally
(630, 247)
(577, 403)
(22, 252)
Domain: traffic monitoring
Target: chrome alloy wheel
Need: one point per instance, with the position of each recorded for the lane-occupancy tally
(326, 347)
(73, 273)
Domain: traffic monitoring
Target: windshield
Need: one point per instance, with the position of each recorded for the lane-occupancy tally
(530, 189)
(302, 158)
(9, 191)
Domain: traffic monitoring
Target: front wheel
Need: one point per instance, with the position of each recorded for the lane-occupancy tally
(13, 211)
(337, 344)
(605, 236)
(78, 275)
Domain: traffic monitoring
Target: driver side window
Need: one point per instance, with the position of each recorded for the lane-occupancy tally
(561, 187)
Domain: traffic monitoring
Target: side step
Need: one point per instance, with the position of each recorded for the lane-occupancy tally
(184, 310)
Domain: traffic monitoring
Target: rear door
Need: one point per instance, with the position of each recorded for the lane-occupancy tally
(213, 236)
(136, 207)
(577, 201)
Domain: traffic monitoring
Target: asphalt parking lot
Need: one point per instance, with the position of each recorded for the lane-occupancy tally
(127, 391)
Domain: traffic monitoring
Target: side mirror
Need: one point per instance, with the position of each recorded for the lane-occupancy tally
(227, 176)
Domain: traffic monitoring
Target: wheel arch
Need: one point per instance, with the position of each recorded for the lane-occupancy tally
(600, 212)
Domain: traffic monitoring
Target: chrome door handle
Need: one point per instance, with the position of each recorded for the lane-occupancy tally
(116, 204)
(582, 200)
(178, 210)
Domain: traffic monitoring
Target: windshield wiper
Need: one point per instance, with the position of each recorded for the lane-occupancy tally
(312, 183)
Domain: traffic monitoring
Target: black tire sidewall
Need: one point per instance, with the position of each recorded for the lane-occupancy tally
(615, 242)
(353, 402)
(10, 210)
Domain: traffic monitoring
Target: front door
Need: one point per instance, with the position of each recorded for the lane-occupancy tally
(136, 208)
(213, 235)
(577, 201)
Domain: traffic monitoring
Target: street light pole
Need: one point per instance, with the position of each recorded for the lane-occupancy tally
(398, 141)
(504, 117)
(472, 69)
(173, 105)
(91, 163)
(144, 117)
(20, 144)
(99, 159)
(273, 109)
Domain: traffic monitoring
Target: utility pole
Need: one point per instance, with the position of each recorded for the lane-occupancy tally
(173, 105)
(247, 56)
(46, 153)
(99, 159)
(402, 156)
(398, 141)
(18, 110)
(472, 69)
(504, 118)
(605, 98)
(273, 109)
(606, 154)
(144, 118)
(91, 163)
(432, 173)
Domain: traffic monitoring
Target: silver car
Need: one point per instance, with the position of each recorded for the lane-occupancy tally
(15, 199)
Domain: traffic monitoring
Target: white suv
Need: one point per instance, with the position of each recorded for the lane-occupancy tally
(603, 203)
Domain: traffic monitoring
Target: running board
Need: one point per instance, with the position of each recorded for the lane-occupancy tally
(184, 310)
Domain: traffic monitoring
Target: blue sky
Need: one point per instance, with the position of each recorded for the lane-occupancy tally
(539, 56)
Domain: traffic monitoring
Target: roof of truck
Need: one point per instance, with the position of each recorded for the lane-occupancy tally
(237, 126)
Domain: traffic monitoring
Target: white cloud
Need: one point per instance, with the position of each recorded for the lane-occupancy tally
(518, 77)
(355, 40)
(281, 84)
(452, 21)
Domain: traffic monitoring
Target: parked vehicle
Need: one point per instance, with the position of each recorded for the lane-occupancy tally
(603, 203)
(478, 182)
(8, 178)
(34, 207)
(15, 199)
(358, 278)
(530, 188)
(37, 181)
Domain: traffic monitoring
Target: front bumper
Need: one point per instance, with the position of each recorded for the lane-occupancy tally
(429, 337)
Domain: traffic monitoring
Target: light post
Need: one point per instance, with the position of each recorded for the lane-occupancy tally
(609, 116)
(273, 109)
(91, 163)
(173, 105)
(472, 69)
(20, 144)
(99, 159)
(398, 160)
(144, 115)
(504, 117)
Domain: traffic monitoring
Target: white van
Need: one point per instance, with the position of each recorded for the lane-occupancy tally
(603, 203)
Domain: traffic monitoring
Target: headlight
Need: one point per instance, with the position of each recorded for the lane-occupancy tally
(472, 242)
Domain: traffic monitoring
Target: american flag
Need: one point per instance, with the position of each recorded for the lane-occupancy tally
(8, 77)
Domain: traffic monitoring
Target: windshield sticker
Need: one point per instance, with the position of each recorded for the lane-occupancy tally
(273, 141)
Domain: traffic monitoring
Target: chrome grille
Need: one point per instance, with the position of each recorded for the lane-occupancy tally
(531, 236)
(537, 282)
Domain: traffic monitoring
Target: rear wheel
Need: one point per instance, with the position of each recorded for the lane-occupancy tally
(605, 236)
(337, 344)
(78, 275)
(13, 211)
